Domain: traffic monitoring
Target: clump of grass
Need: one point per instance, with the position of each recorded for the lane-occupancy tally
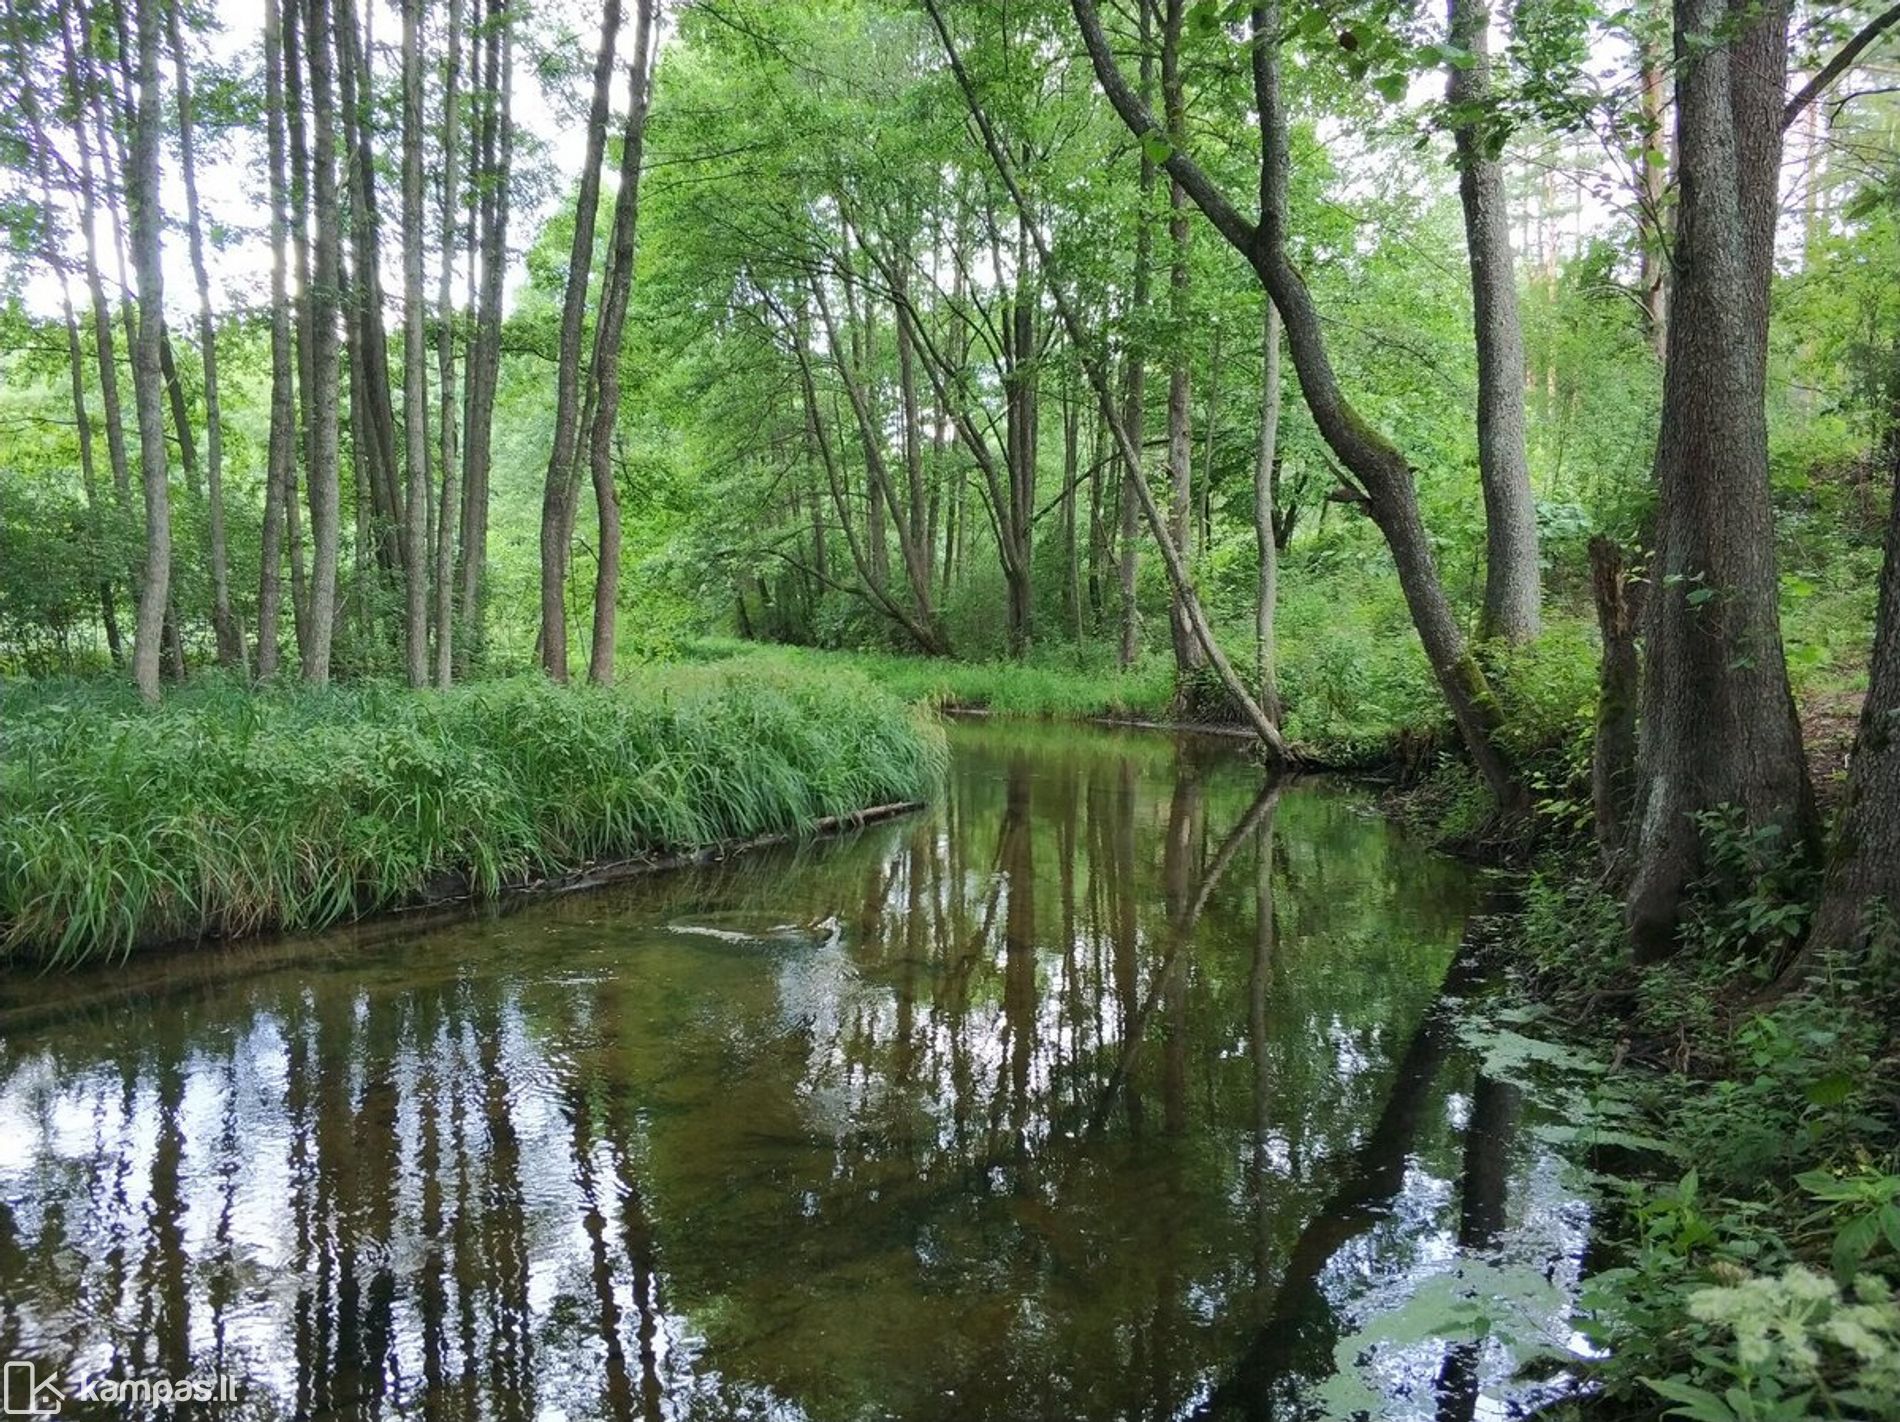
(225, 813)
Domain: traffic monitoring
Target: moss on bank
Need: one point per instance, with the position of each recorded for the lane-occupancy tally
(225, 812)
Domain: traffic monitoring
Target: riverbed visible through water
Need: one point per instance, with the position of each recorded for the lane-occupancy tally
(1115, 1084)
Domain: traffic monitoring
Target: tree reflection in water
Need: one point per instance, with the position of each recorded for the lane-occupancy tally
(1106, 1088)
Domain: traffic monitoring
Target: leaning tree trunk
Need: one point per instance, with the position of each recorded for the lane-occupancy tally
(555, 532)
(1179, 577)
(1718, 719)
(1383, 474)
(415, 363)
(142, 202)
(1511, 578)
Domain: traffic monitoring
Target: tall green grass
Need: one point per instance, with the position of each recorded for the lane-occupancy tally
(226, 813)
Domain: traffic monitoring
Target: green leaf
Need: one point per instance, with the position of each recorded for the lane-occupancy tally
(1391, 87)
(1155, 146)
(1695, 1402)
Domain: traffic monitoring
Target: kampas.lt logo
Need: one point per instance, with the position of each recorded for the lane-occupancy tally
(27, 1394)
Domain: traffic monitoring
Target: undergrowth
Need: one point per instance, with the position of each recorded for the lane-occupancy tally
(1751, 1234)
(227, 812)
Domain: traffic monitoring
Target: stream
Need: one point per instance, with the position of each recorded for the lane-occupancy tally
(1110, 1086)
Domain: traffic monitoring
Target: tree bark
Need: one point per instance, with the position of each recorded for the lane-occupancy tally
(1188, 660)
(325, 500)
(1718, 719)
(1266, 458)
(446, 422)
(485, 360)
(373, 428)
(415, 360)
(147, 222)
(1512, 582)
(281, 457)
(555, 533)
(1860, 897)
(616, 289)
(1134, 374)
(1619, 675)
(1652, 229)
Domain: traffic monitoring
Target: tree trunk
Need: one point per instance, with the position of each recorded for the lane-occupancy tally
(373, 429)
(1178, 574)
(51, 254)
(616, 289)
(1187, 653)
(918, 501)
(281, 459)
(1652, 229)
(415, 360)
(109, 398)
(485, 360)
(296, 23)
(1861, 895)
(1134, 374)
(1512, 582)
(555, 533)
(1718, 719)
(231, 651)
(1384, 475)
(1266, 457)
(147, 223)
(1613, 750)
(446, 422)
(325, 500)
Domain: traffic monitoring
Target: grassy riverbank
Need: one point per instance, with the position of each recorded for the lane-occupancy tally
(227, 812)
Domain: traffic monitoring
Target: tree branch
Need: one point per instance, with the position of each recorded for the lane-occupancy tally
(1842, 61)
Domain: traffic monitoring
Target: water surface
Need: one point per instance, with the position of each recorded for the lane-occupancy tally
(1114, 1085)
